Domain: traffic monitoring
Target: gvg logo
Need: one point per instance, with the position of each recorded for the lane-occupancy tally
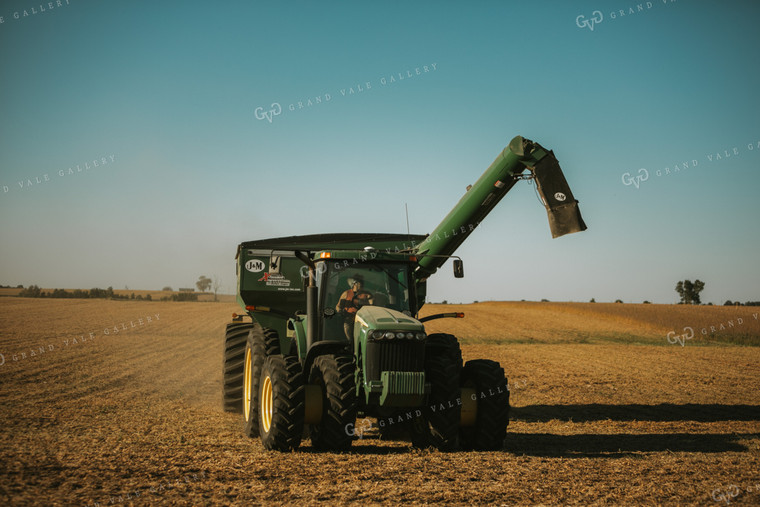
(596, 18)
(681, 338)
(635, 180)
(731, 492)
(359, 429)
(275, 110)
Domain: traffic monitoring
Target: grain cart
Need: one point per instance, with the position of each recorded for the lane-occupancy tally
(335, 332)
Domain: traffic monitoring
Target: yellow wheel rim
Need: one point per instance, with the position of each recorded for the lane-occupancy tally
(266, 404)
(247, 385)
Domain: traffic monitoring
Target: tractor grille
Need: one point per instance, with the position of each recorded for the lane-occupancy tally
(397, 355)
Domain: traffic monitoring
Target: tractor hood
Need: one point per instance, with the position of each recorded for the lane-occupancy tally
(376, 317)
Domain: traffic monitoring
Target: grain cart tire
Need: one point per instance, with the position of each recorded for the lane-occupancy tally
(281, 403)
(490, 429)
(261, 343)
(334, 373)
(232, 366)
(439, 424)
(443, 343)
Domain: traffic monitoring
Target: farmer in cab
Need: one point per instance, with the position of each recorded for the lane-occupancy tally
(350, 302)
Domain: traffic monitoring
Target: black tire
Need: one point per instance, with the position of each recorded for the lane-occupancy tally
(335, 374)
(490, 429)
(271, 341)
(261, 343)
(439, 424)
(281, 403)
(232, 366)
(447, 344)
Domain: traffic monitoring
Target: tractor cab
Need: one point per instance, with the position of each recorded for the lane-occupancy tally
(346, 287)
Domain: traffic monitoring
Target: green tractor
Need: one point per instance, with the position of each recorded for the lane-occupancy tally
(335, 334)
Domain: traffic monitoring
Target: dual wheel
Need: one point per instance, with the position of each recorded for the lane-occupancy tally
(274, 397)
(479, 384)
(278, 408)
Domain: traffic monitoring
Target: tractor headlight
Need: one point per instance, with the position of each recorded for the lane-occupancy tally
(379, 335)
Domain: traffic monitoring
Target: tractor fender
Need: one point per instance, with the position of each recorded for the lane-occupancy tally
(321, 348)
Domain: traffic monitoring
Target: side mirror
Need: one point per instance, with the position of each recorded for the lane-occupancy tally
(458, 268)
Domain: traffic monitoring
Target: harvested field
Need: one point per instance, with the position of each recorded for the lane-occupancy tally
(98, 404)
(530, 322)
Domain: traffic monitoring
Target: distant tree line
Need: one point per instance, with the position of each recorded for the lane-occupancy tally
(737, 303)
(33, 291)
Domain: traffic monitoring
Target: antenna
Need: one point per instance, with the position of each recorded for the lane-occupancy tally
(406, 207)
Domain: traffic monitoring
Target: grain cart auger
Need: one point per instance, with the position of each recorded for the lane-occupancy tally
(335, 334)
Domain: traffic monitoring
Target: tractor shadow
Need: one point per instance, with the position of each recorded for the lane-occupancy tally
(622, 444)
(617, 445)
(600, 445)
(657, 413)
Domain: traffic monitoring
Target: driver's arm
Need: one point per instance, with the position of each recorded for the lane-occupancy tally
(341, 302)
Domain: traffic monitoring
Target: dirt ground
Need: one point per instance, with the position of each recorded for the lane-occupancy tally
(105, 402)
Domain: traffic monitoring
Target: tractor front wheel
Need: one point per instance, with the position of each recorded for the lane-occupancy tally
(444, 343)
(280, 403)
(439, 424)
(492, 395)
(334, 373)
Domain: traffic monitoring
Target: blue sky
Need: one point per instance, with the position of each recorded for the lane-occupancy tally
(171, 91)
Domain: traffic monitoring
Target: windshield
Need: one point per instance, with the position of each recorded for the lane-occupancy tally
(385, 284)
(348, 287)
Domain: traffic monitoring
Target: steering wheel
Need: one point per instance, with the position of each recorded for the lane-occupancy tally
(359, 301)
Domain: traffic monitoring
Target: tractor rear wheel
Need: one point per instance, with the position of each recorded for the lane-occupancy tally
(261, 343)
(439, 424)
(280, 403)
(334, 373)
(233, 365)
(490, 429)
